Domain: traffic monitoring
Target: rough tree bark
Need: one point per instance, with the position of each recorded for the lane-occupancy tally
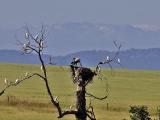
(81, 76)
(81, 101)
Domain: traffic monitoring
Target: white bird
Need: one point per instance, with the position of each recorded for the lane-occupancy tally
(55, 99)
(41, 43)
(118, 60)
(107, 58)
(24, 45)
(26, 74)
(17, 80)
(41, 67)
(70, 107)
(26, 35)
(77, 59)
(5, 80)
(36, 37)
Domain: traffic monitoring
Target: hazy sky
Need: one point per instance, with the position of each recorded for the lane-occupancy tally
(16, 13)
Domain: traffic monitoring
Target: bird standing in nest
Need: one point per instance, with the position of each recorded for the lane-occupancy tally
(80, 73)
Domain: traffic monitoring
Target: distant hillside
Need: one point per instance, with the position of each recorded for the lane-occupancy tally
(130, 59)
(14, 56)
(72, 37)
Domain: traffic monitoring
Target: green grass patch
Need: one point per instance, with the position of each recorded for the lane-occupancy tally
(30, 101)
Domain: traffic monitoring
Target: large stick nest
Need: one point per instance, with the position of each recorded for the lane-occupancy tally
(86, 74)
(82, 73)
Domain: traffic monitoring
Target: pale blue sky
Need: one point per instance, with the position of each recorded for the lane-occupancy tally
(16, 13)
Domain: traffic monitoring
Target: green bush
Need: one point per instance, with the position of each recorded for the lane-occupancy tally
(139, 113)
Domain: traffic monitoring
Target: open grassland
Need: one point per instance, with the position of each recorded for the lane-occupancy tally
(29, 100)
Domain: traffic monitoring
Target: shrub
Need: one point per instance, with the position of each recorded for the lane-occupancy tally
(139, 113)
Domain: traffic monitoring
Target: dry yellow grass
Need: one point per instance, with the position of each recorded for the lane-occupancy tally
(31, 102)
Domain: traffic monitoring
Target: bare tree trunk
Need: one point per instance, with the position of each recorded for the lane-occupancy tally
(81, 102)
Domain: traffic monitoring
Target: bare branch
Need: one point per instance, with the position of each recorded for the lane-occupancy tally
(2, 92)
(67, 112)
(91, 112)
(90, 117)
(18, 81)
(95, 97)
(108, 60)
(30, 35)
(53, 100)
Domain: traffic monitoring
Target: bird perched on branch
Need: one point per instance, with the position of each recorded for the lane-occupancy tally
(26, 35)
(5, 81)
(41, 68)
(36, 37)
(119, 61)
(107, 58)
(17, 81)
(26, 74)
(81, 73)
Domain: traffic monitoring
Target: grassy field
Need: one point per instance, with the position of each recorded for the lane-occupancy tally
(29, 100)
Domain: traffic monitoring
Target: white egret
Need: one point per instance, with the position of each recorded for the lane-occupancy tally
(41, 44)
(5, 80)
(26, 74)
(55, 99)
(36, 37)
(107, 58)
(41, 67)
(17, 80)
(26, 35)
(118, 60)
(24, 45)
(70, 107)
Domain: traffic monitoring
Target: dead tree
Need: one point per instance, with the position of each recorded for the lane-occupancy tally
(35, 44)
(81, 76)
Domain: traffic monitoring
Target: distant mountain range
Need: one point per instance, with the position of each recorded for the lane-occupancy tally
(94, 41)
(73, 37)
(130, 59)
